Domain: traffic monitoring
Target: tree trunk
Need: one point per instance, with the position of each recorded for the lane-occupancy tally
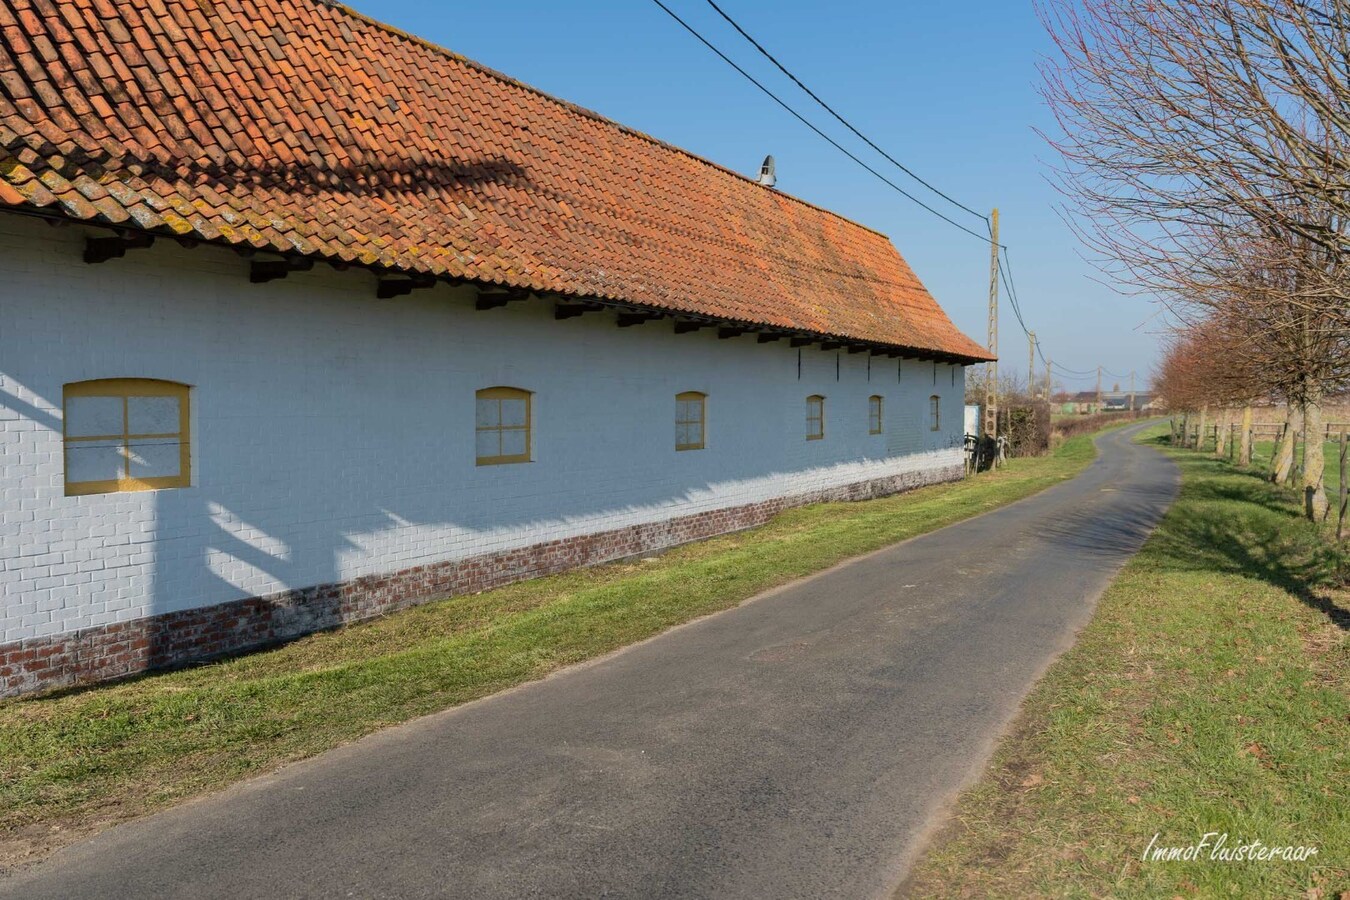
(1200, 432)
(1245, 439)
(1282, 461)
(1315, 503)
(1220, 437)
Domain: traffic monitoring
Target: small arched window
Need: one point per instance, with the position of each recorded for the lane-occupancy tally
(935, 409)
(691, 431)
(502, 426)
(126, 434)
(815, 417)
(874, 409)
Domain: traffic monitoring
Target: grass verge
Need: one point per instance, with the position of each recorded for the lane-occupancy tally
(72, 762)
(1331, 450)
(1210, 693)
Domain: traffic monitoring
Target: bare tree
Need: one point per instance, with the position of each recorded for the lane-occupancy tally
(1206, 146)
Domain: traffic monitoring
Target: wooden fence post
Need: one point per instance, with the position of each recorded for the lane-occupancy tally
(1345, 486)
(1245, 451)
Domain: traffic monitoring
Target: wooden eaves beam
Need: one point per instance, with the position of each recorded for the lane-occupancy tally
(390, 285)
(389, 288)
(495, 299)
(261, 271)
(101, 249)
(629, 318)
(572, 310)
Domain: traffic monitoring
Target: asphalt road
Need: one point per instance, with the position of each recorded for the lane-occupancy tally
(800, 745)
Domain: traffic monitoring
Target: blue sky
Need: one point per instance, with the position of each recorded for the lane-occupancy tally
(949, 89)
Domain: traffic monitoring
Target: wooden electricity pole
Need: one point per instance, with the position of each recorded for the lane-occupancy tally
(1048, 387)
(1099, 389)
(1031, 364)
(991, 368)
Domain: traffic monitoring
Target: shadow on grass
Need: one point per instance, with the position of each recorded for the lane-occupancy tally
(1235, 522)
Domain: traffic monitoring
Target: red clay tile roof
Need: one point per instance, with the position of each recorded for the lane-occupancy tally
(300, 126)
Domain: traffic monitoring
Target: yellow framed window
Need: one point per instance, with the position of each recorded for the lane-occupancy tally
(691, 408)
(815, 417)
(126, 434)
(502, 426)
(935, 409)
(874, 404)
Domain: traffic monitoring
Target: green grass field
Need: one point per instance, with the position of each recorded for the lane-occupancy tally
(1210, 693)
(72, 762)
(1262, 450)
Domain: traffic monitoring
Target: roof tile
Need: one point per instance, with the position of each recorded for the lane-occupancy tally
(301, 126)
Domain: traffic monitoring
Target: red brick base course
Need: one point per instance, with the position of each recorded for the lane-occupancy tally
(107, 652)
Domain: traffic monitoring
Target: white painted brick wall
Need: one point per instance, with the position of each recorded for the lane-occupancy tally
(333, 433)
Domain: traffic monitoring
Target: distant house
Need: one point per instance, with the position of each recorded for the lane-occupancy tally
(334, 321)
(1085, 402)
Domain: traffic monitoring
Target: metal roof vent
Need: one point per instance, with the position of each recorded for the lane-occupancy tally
(767, 174)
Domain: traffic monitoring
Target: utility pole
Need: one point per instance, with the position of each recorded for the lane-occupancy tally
(1099, 389)
(1031, 364)
(1048, 387)
(991, 368)
(1131, 391)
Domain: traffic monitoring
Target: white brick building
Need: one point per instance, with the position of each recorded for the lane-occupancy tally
(199, 455)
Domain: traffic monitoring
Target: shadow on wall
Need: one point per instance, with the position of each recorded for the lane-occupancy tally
(202, 545)
(203, 556)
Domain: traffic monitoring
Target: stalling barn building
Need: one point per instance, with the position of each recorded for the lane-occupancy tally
(303, 320)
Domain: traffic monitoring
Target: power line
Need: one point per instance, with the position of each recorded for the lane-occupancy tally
(800, 118)
(845, 122)
(1004, 266)
(1004, 274)
(1090, 373)
(1010, 285)
(1012, 288)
